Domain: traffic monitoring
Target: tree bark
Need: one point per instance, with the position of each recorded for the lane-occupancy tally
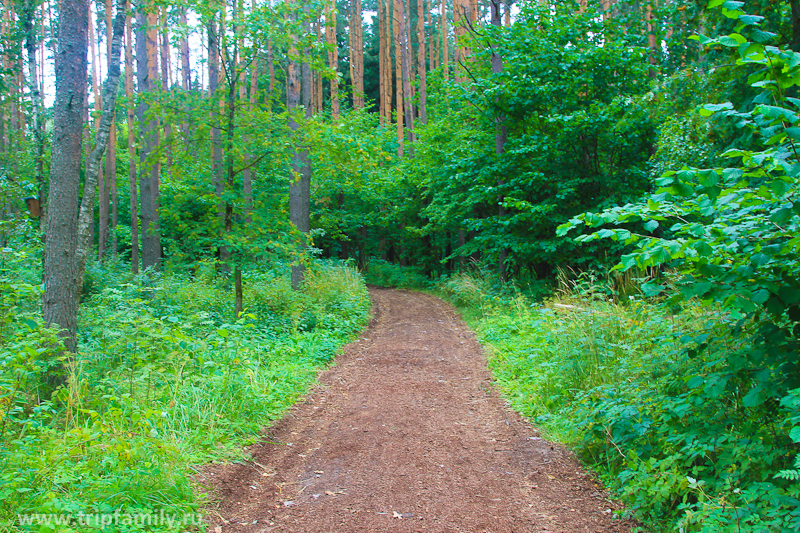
(60, 300)
(408, 108)
(28, 19)
(423, 83)
(131, 148)
(111, 150)
(445, 46)
(149, 164)
(186, 70)
(333, 57)
(216, 140)
(300, 188)
(398, 67)
(357, 54)
(501, 134)
(101, 140)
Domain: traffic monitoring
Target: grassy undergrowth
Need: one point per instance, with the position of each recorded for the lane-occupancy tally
(670, 429)
(165, 380)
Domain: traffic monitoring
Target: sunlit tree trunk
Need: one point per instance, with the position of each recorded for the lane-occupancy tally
(408, 108)
(111, 150)
(398, 68)
(445, 46)
(60, 299)
(423, 82)
(357, 54)
(333, 57)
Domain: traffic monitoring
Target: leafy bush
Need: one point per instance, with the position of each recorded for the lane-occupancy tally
(165, 378)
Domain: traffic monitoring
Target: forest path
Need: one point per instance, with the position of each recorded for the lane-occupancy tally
(407, 433)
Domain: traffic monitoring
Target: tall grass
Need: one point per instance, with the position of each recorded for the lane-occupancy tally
(165, 379)
(619, 379)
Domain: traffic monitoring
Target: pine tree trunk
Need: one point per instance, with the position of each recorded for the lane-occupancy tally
(102, 186)
(445, 46)
(423, 83)
(408, 108)
(300, 188)
(501, 134)
(398, 67)
(131, 148)
(149, 166)
(382, 60)
(186, 70)
(111, 150)
(60, 299)
(357, 54)
(28, 21)
(101, 140)
(333, 58)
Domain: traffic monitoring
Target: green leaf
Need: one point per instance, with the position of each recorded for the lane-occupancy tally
(651, 225)
(224, 333)
(754, 397)
(695, 382)
(709, 109)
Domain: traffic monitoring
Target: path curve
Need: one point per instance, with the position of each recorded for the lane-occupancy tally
(407, 433)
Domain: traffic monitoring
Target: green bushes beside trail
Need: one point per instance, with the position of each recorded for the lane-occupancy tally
(165, 379)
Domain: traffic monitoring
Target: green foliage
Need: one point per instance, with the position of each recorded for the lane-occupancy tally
(671, 431)
(164, 380)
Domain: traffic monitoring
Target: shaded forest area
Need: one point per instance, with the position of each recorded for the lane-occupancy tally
(202, 167)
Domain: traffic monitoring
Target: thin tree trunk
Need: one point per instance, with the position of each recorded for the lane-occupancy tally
(102, 186)
(131, 148)
(652, 38)
(186, 70)
(111, 151)
(101, 139)
(149, 167)
(357, 54)
(423, 89)
(501, 134)
(408, 108)
(398, 67)
(60, 299)
(300, 188)
(216, 141)
(508, 10)
(382, 60)
(28, 20)
(333, 58)
(445, 46)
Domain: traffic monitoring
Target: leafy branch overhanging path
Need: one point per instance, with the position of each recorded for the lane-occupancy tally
(406, 433)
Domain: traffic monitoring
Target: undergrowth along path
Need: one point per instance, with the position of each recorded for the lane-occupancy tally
(407, 433)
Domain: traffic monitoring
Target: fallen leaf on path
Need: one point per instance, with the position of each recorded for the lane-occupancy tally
(395, 514)
(330, 493)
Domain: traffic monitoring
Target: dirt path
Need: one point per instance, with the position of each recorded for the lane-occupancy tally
(406, 433)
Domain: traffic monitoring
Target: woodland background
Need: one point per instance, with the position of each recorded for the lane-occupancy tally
(608, 190)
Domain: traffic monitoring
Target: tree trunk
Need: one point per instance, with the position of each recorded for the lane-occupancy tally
(300, 188)
(216, 140)
(101, 140)
(445, 46)
(131, 147)
(357, 54)
(111, 150)
(398, 68)
(501, 134)
(408, 108)
(186, 70)
(423, 83)
(333, 57)
(60, 299)
(28, 19)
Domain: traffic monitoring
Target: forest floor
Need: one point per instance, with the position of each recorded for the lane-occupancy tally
(407, 433)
